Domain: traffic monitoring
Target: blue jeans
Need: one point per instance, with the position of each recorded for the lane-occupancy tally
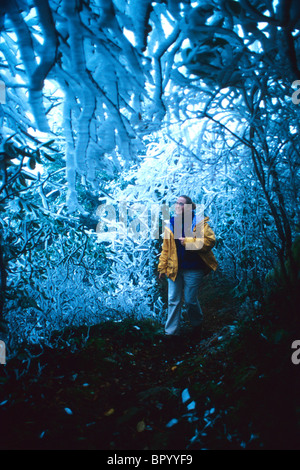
(187, 281)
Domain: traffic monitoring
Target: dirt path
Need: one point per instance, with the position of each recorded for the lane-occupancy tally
(119, 391)
(121, 386)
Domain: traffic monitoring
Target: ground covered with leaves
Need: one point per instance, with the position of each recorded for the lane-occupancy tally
(121, 385)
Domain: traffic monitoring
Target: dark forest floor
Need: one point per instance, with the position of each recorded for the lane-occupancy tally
(120, 386)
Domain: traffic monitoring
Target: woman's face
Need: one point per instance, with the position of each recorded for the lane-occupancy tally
(179, 205)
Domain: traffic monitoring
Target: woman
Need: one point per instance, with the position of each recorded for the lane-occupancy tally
(185, 259)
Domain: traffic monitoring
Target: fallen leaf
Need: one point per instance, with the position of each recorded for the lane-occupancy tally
(172, 423)
(109, 412)
(140, 427)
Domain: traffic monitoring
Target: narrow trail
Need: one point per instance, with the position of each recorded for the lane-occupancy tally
(123, 387)
(119, 391)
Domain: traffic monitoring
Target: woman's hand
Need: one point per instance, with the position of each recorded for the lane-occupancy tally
(181, 239)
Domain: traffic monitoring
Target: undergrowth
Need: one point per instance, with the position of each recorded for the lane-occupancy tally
(118, 385)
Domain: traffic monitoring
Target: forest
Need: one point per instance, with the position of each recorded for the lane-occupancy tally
(109, 111)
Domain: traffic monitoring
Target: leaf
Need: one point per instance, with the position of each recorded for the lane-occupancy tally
(191, 406)
(109, 412)
(49, 144)
(38, 156)
(31, 164)
(48, 157)
(28, 176)
(140, 427)
(171, 423)
(22, 180)
(185, 395)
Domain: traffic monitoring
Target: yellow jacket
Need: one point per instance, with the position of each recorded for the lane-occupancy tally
(168, 261)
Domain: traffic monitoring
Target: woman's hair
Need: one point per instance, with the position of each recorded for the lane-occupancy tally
(189, 201)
